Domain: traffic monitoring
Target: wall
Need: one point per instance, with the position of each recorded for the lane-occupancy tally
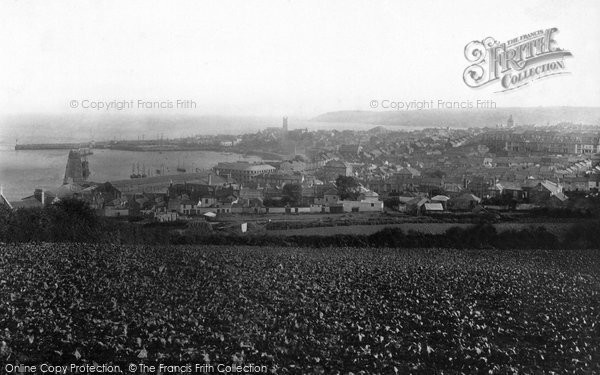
(362, 206)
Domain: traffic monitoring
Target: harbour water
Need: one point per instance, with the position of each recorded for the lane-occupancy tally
(25, 170)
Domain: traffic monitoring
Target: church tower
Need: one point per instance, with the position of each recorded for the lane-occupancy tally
(510, 123)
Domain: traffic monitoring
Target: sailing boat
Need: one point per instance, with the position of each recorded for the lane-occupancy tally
(133, 174)
(180, 168)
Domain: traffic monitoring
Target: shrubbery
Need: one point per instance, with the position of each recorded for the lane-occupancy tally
(74, 221)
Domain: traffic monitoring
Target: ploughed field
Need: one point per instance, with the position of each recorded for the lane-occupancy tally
(303, 310)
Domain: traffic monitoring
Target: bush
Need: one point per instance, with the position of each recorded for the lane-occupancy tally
(584, 235)
(74, 221)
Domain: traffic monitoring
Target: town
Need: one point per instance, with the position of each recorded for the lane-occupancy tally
(509, 167)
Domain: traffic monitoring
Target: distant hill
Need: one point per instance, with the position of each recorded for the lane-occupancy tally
(466, 118)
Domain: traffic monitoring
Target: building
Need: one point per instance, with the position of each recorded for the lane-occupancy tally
(546, 193)
(284, 128)
(432, 207)
(3, 201)
(33, 201)
(279, 179)
(243, 172)
(330, 197)
(335, 168)
(350, 150)
(510, 122)
(464, 202)
(526, 141)
(361, 206)
(161, 184)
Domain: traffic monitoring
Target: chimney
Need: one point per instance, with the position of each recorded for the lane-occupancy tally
(210, 179)
(37, 193)
(43, 198)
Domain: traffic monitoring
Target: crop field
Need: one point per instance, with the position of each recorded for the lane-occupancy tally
(300, 311)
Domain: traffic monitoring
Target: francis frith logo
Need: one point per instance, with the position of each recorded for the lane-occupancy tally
(515, 63)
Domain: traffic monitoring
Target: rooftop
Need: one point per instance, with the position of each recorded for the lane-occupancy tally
(201, 178)
(244, 166)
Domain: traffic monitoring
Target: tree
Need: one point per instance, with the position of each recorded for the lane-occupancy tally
(73, 220)
(348, 187)
(300, 158)
(292, 193)
(5, 215)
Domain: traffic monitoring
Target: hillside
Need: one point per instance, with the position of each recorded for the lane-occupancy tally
(468, 118)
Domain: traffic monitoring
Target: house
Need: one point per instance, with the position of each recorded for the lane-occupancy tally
(335, 168)
(547, 193)
(428, 184)
(279, 179)
(433, 207)
(408, 173)
(206, 201)
(166, 216)
(308, 196)
(173, 204)
(349, 150)
(441, 199)
(115, 211)
(329, 198)
(464, 202)
(251, 205)
(361, 206)
(576, 183)
(415, 205)
(291, 166)
(69, 190)
(40, 198)
(452, 188)
(594, 181)
(367, 195)
(248, 193)
(403, 203)
(509, 189)
(187, 207)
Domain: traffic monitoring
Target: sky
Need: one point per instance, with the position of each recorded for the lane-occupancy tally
(268, 58)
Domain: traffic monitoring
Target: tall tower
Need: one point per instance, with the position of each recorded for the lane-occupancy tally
(510, 122)
(284, 144)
